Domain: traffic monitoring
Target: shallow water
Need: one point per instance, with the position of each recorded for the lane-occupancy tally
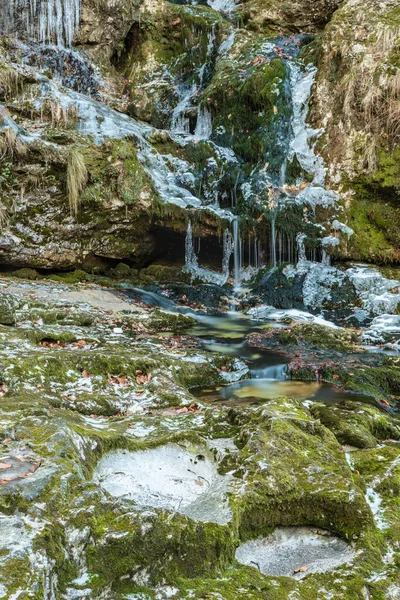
(226, 333)
(292, 549)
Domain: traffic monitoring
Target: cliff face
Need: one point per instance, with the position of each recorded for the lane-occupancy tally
(290, 16)
(357, 101)
(215, 119)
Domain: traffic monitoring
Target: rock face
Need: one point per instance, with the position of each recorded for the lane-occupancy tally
(356, 101)
(104, 25)
(291, 16)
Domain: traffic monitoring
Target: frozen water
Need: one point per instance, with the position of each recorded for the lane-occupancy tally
(203, 125)
(288, 549)
(192, 262)
(222, 5)
(270, 313)
(44, 20)
(379, 295)
(168, 477)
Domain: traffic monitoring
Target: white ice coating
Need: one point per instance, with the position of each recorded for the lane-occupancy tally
(271, 313)
(338, 226)
(170, 478)
(379, 295)
(99, 121)
(48, 20)
(301, 144)
(204, 124)
(192, 262)
(225, 6)
(180, 122)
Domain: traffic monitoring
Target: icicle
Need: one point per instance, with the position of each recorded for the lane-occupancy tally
(192, 262)
(43, 20)
(301, 250)
(204, 124)
(273, 239)
(227, 252)
(237, 255)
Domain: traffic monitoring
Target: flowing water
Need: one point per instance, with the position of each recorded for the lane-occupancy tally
(266, 376)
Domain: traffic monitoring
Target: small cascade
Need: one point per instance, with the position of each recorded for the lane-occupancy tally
(42, 20)
(226, 6)
(180, 122)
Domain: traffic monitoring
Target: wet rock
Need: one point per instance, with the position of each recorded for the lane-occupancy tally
(168, 477)
(296, 552)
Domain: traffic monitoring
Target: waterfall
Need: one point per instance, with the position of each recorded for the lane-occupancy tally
(191, 261)
(42, 20)
(180, 123)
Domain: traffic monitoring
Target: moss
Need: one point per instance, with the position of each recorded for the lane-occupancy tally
(165, 274)
(319, 337)
(380, 381)
(250, 108)
(164, 321)
(26, 274)
(356, 425)
(76, 276)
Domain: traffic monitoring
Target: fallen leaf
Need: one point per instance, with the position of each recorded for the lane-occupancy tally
(302, 569)
(4, 466)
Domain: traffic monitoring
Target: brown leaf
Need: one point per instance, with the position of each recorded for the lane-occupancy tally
(4, 466)
(6, 441)
(302, 569)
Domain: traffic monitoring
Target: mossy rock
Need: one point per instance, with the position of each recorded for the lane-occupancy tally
(8, 307)
(356, 425)
(26, 273)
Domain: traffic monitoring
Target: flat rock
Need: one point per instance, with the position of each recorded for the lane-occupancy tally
(168, 477)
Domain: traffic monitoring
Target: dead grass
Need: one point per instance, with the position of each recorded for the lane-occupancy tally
(76, 179)
(11, 146)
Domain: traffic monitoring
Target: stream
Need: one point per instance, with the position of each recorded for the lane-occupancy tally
(266, 377)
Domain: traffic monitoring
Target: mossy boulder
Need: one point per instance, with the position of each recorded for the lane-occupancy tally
(8, 307)
(356, 425)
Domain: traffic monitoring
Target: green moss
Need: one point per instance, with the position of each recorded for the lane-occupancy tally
(250, 108)
(356, 425)
(319, 337)
(26, 274)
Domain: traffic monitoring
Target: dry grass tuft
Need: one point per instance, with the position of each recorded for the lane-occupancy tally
(11, 145)
(59, 116)
(10, 83)
(76, 179)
